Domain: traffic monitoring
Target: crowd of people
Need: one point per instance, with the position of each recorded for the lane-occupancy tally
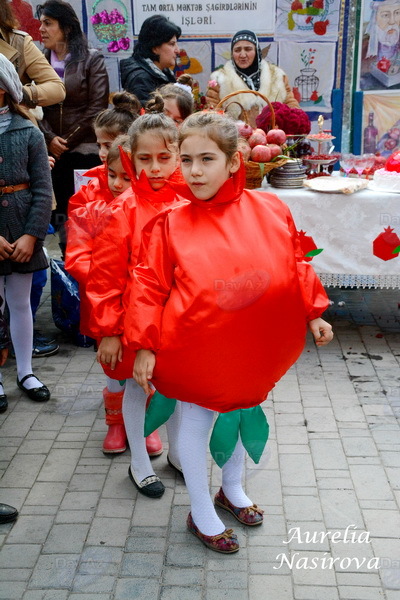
(163, 218)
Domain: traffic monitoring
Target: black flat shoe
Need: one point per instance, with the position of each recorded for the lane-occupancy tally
(3, 403)
(7, 513)
(39, 394)
(150, 486)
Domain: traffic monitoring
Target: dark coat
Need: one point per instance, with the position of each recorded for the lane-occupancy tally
(87, 90)
(24, 160)
(139, 78)
(4, 335)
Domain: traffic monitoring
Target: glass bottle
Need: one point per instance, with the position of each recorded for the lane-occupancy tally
(370, 135)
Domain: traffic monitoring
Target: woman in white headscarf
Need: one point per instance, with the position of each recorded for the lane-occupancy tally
(247, 70)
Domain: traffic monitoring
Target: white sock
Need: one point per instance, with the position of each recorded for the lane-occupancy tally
(18, 291)
(232, 478)
(133, 410)
(173, 425)
(192, 449)
(114, 385)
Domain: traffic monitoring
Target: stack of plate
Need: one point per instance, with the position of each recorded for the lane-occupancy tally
(290, 175)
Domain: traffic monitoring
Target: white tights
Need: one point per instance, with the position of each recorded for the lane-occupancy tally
(133, 410)
(16, 289)
(192, 447)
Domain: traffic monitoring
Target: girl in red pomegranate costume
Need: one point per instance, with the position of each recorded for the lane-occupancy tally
(218, 313)
(153, 168)
(108, 125)
(81, 225)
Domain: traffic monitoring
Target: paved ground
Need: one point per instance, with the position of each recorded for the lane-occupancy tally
(332, 464)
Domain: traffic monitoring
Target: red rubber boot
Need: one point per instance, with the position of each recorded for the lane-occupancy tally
(115, 440)
(154, 445)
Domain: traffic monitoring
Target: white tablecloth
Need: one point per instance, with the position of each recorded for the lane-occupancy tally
(345, 226)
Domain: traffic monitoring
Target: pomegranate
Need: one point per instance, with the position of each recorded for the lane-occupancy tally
(261, 153)
(244, 129)
(276, 136)
(390, 144)
(244, 148)
(296, 5)
(308, 246)
(385, 244)
(275, 150)
(393, 162)
(258, 137)
(320, 27)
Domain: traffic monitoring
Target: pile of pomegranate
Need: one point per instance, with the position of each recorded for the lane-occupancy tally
(258, 146)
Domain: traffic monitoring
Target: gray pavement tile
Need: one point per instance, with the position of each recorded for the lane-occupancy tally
(189, 575)
(277, 586)
(46, 595)
(360, 593)
(14, 575)
(305, 592)
(74, 516)
(19, 555)
(93, 583)
(108, 531)
(191, 554)
(183, 593)
(229, 594)
(46, 494)
(137, 564)
(66, 538)
(12, 590)
(133, 588)
(341, 508)
(30, 530)
(59, 465)
(23, 470)
(54, 571)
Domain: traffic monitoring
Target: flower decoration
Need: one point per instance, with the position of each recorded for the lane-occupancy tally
(292, 120)
(111, 27)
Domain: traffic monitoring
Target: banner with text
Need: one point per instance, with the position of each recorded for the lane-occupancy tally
(211, 18)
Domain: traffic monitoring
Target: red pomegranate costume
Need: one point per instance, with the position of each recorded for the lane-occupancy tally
(96, 189)
(222, 297)
(114, 256)
(87, 214)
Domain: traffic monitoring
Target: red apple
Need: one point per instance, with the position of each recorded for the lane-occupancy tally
(261, 153)
(244, 129)
(258, 137)
(275, 150)
(276, 136)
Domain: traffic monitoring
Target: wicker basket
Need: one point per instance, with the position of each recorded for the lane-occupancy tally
(255, 171)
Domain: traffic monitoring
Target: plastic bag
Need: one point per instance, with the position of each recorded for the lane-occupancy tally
(65, 303)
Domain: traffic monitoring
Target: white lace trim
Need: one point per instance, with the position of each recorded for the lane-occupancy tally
(359, 281)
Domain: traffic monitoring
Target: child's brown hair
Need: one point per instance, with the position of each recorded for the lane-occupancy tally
(119, 118)
(113, 153)
(218, 127)
(156, 123)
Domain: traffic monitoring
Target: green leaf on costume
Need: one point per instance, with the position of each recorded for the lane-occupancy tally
(158, 412)
(396, 250)
(314, 252)
(224, 436)
(254, 430)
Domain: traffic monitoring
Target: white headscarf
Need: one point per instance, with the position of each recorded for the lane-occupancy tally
(9, 80)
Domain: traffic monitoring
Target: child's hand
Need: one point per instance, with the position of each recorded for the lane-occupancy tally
(321, 331)
(3, 356)
(58, 146)
(6, 249)
(52, 161)
(110, 350)
(23, 248)
(143, 369)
